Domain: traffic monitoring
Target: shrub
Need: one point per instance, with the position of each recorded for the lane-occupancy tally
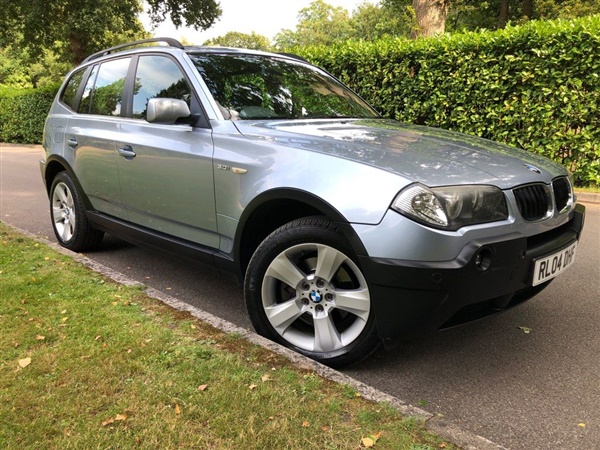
(535, 86)
(23, 112)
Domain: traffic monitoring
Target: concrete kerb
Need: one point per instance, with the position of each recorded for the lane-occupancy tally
(588, 197)
(434, 423)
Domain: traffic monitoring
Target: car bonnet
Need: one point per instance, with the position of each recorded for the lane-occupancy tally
(432, 156)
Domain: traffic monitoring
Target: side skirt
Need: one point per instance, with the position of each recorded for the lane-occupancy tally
(178, 249)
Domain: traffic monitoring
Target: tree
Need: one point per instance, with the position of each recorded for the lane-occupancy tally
(324, 24)
(76, 28)
(236, 39)
(490, 14)
(431, 17)
(16, 73)
(566, 9)
(374, 21)
(494, 14)
(528, 9)
(318, 24)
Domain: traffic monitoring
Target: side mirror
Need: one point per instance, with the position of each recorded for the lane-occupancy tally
(166, 110)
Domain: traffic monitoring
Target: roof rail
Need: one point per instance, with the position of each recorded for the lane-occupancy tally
(294, 56)
(170, 41)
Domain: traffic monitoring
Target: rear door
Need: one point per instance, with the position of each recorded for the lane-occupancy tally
(166, 171)
(92, 132)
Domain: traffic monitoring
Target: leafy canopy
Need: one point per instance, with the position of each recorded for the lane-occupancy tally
(464, 15)
(74, 29)
(236, 39)
(323, 24)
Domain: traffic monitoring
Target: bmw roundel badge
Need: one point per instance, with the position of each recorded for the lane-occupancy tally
(532, 168)
(315, 297)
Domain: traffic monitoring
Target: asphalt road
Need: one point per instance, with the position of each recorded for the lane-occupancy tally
(538, 390)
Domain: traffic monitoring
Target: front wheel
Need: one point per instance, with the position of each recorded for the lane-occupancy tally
(305, 291)
(69, 221)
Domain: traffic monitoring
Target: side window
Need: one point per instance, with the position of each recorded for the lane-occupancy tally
(107, 94)
(70, 92)
(86, 97)
(103, 93)
(158, 77)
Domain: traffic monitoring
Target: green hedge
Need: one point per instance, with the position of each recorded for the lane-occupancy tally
(536, 86)
(23, 112)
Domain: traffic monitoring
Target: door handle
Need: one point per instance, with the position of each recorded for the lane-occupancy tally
(127, 152)
(72, 142)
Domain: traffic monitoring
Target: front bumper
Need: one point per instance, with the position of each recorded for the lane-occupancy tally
(412, 298)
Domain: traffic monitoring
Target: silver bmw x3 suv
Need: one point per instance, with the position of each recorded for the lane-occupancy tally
(346, 229)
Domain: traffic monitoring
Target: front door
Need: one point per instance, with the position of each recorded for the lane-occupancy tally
(166, 170)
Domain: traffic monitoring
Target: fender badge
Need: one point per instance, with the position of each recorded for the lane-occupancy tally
(532, 168)
(237, 170)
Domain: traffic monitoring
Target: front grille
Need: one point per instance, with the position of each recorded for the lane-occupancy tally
(563, 196)
(533, 201)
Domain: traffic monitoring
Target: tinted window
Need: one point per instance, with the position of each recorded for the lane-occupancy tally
(158, 77)
(70, 92)
(107, 95)
(261, 87)
(86, 97)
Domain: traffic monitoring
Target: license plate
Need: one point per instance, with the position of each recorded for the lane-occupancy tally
(547, 268)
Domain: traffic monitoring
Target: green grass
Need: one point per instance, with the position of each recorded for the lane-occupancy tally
(86, 363)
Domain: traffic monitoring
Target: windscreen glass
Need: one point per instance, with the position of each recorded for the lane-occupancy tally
(255, 87)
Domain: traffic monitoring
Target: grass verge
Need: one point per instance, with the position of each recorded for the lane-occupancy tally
(87, 363)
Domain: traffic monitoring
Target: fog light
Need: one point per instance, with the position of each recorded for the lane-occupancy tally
(483, 259)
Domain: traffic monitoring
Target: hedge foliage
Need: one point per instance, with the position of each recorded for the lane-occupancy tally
(536, 86)
(23, 112)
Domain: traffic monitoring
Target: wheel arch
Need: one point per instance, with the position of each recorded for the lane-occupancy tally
(56, 164)
(275, 208)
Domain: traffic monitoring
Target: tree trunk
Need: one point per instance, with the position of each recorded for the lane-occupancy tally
(503, 13)
(528, 9)
(78, 49)
(431, 17)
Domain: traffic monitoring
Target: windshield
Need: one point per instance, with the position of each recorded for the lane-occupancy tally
(254, 87)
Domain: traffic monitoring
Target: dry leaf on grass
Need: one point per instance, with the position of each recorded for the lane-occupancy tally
(24, 362)
(370, 441)
(117, 418)
(367, 442)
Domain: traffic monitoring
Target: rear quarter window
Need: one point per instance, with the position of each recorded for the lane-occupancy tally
(69, 94)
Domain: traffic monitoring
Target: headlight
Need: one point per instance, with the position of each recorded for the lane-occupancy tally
(451, 207)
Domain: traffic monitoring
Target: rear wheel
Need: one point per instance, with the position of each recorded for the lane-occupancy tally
(69, 221)
(305, 291)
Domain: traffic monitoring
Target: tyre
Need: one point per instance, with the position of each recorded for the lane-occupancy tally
(69, 221)
(305, 290)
